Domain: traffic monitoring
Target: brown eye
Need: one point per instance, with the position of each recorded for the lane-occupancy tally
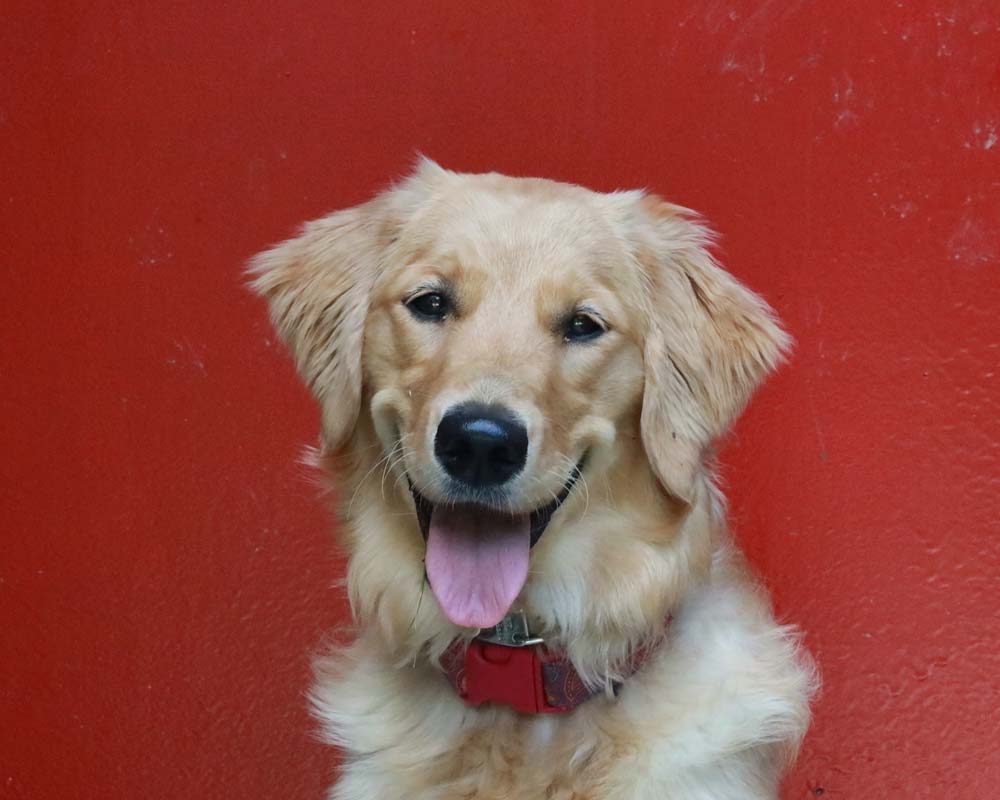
(433, 306)
(582, 328)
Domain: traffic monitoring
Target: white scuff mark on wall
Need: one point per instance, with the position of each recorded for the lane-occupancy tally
(743, 56)
(752, 72)
(984, 135)
(188, 354)
(749, 71)
(844, 117)
(846, 102)
(940, 18)
(972, 243)
(903, 209)
(820, 438)
(845, 93)
(152, 244)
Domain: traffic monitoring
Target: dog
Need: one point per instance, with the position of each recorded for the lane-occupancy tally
(521, 383)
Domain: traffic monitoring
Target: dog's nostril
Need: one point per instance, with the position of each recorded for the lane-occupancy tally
(481, 445)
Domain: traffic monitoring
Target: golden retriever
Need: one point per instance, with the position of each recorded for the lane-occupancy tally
(521, 382)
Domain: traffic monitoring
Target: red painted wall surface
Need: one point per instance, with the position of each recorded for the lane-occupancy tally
(166, 567)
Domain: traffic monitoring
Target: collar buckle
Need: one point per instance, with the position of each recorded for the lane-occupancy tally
(511, 631)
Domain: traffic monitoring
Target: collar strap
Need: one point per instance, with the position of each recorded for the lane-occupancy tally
(528, 677)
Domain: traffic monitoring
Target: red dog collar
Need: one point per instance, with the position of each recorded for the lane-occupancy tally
(505, 665)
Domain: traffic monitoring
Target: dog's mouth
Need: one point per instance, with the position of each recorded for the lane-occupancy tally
(477, 556)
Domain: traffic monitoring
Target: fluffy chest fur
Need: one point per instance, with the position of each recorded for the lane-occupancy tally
(715, 713)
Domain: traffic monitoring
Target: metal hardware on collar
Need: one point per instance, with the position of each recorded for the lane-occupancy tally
(511, 631)
(505, 665)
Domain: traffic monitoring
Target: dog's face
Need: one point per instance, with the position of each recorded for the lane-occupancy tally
(505, 337)
(501, 357)
(497, 361)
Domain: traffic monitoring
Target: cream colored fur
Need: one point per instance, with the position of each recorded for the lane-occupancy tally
(720, 708)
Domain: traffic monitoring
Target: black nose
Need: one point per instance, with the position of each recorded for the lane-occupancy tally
(481, 445)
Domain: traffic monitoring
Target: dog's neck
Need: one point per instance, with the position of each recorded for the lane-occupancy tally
(617, 559)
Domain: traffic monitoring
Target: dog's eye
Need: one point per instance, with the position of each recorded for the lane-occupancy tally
(432, 306)
(582, 328)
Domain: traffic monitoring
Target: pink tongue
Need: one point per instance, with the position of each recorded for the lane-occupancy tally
(477, 562)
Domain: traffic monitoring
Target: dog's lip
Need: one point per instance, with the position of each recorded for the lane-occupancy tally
(540, 517)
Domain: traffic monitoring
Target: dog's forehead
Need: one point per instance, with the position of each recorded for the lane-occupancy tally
(496, 223)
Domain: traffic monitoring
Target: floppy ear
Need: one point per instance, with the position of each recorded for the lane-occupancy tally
(318, 286)
(709, 343)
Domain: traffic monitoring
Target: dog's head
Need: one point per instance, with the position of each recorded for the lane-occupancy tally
(495, 343)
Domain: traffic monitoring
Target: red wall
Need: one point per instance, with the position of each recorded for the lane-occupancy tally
(166, 567)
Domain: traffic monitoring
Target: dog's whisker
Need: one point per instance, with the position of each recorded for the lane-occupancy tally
(361, 483)
(586, 494)
(387, 464)
(420, 600)
(610, 493)
(395, 462)
(400, 477)
(391, 466)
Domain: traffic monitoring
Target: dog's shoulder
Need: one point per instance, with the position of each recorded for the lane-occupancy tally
(727, 697)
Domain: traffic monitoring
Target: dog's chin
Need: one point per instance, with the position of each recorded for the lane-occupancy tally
(477, 552)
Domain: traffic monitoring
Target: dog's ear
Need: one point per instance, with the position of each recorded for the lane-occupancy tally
(709, 343)
(318, 287)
